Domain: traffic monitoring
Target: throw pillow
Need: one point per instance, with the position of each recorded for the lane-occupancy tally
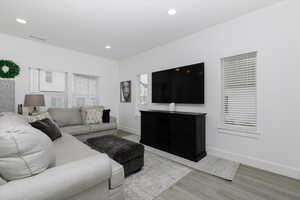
(84, 109)
(93, 116)
(24, 152)
(39, 116)
(106, 116)
(48, 127)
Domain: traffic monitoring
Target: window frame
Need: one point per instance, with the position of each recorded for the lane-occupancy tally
(97, 96)
(138, 105)
(236, 129)
(38, 90)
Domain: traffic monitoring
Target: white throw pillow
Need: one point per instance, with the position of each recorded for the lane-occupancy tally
(83, 111)
(92, 116)
(24, 150)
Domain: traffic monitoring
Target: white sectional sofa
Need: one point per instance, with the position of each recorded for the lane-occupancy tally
(70, 121)
(80, 173)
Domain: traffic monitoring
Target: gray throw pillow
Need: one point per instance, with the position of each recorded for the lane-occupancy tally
(48, 127)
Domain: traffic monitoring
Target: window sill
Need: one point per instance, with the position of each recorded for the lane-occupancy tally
(240, 133)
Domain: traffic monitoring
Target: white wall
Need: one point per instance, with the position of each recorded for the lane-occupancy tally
(27, 53)
(275, 33)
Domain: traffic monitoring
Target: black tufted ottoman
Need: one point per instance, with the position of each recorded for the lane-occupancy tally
(127, 153)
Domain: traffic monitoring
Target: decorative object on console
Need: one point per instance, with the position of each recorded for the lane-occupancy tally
(34, 100)
(7, 97)
(172, 107)
(48, 127)
(125, 91)
(106, 116)
(8, 69)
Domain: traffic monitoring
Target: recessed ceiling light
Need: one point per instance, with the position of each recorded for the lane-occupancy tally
(107, 47)
(21, 21)
(172, 11)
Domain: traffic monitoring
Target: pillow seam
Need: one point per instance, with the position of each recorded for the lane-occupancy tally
(18, 153)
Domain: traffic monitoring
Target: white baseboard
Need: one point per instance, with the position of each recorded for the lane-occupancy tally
(130, 130)
(255, 162)
(246, 160)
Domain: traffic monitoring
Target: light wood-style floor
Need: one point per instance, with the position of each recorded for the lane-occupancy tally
(248, 184)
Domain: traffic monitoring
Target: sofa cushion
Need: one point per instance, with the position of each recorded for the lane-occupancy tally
(48, 127)
(76, 130)
(11, 120)
(68, 149)
(66, 116)
(24, 151)
(102, 126)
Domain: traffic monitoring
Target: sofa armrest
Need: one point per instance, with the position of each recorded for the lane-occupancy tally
(60, 182)
(113, 119)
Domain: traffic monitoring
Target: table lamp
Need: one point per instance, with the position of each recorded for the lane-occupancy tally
(34, 100)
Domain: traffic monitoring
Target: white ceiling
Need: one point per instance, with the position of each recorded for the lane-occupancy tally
(128, 26)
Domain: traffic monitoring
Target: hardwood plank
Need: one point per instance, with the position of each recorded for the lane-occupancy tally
(249, 184)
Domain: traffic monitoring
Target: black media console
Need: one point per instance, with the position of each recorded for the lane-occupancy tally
(179, 133)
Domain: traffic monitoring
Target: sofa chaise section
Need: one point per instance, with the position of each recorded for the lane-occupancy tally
(63, 182)
(68, 149)
(79, 173)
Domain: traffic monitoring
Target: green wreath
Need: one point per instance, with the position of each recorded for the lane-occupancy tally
(8, 69)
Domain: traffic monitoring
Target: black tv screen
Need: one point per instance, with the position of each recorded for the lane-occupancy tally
(179, 85)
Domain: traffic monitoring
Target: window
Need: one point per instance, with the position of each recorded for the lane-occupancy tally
(143, 89)
(85, 90)
(240, 92)
(52, 84)
(142, 92)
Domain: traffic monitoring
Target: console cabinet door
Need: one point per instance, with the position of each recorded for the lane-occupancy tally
(148, 129)
(156, 130)
(179, 134)
(183, 136)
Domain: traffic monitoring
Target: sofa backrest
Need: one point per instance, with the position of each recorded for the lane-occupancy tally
(66, 116)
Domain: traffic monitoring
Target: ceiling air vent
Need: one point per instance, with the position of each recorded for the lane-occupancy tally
(37, 38)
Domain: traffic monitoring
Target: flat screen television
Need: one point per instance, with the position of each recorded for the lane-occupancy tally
(179, 85)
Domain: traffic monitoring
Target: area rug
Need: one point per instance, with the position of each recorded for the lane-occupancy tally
(157, 175)
(213, 165)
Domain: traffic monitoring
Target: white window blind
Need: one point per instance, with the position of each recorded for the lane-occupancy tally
(53, 85)
(85, 90)
(240, 91)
